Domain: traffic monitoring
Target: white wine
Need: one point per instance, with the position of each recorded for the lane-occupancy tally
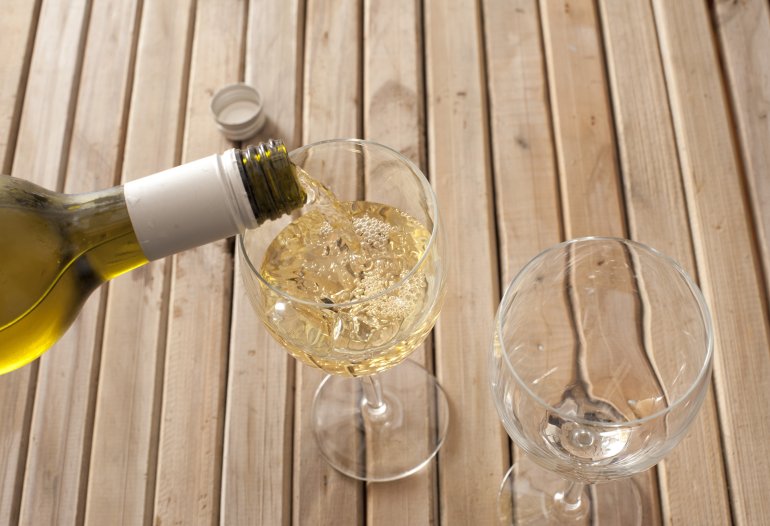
(342, 259)
(56, 248)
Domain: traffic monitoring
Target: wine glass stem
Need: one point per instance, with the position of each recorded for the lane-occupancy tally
(375, 403)
(570, 503)
(571, 497)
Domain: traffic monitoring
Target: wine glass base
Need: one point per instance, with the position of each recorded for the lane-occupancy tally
(528, 492)
(386, 444)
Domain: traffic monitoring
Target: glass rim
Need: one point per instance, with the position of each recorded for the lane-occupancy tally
(705, 367)
(432, 206)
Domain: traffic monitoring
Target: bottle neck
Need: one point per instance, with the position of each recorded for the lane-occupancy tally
(212, 198)
(270, 180)
(100, 230)
(94, 217)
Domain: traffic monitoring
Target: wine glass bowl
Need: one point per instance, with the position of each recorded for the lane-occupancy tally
(600, 360)
(359, 303)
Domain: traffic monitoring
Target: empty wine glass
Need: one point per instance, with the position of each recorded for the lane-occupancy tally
(356, 316)
(600, 360)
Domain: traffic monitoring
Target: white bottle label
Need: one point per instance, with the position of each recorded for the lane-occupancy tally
(188, 206)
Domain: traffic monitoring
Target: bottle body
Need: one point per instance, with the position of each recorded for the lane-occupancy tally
(57, 249)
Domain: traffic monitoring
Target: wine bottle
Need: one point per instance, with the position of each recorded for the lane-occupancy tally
(58, 248)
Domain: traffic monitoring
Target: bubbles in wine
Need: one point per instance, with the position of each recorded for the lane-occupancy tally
(346, 255)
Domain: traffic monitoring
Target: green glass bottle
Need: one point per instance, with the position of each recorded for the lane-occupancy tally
(57, 248)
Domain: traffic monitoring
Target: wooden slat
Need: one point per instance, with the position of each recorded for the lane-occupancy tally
(331, 109)
(393, 83)
(744, 31)
(591, 193)
(274, 43)
(51, 85)
(724, 249)
(522, 141)
(526, 182)
(17, 34)
(393, 115)
(122, 469)
(257, 463)
(60, 422)
(591, 200)
(692, 477)
(192, 424)
(16, 397)
(471, 461)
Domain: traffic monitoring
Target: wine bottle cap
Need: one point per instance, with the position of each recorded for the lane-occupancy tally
(237, 109)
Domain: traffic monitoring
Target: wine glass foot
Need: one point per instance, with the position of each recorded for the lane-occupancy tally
(387, 442)
(532, 495)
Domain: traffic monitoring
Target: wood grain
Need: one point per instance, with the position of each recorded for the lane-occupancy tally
(472, 458)
(257, 464)
(52, 83)
(725, 253)
(17, 35)
(744, 32)
(331, 109)
(652, 182)
(274, 65)
(582, 120)
(526, 182)
(394, 112)
(124, 452)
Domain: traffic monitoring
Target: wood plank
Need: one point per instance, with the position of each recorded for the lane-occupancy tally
(724, 249)
(471, 461)
(744, 32)
(274, 43)
(394, 116)
(331, 109)
(582, 121)
(526, 181)
(590, 188)
(257, 464)
(52, 484)
(394, 112)
(17, 35)
(522, 140)
(52, 85)
(17, 391)
(256, 478)
(122, 469)
(692, 476)
(192, 419)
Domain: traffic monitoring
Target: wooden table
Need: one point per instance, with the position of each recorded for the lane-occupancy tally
(167, 403)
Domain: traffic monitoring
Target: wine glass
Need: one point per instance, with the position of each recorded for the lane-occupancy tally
(600, 360)
(371, 423)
